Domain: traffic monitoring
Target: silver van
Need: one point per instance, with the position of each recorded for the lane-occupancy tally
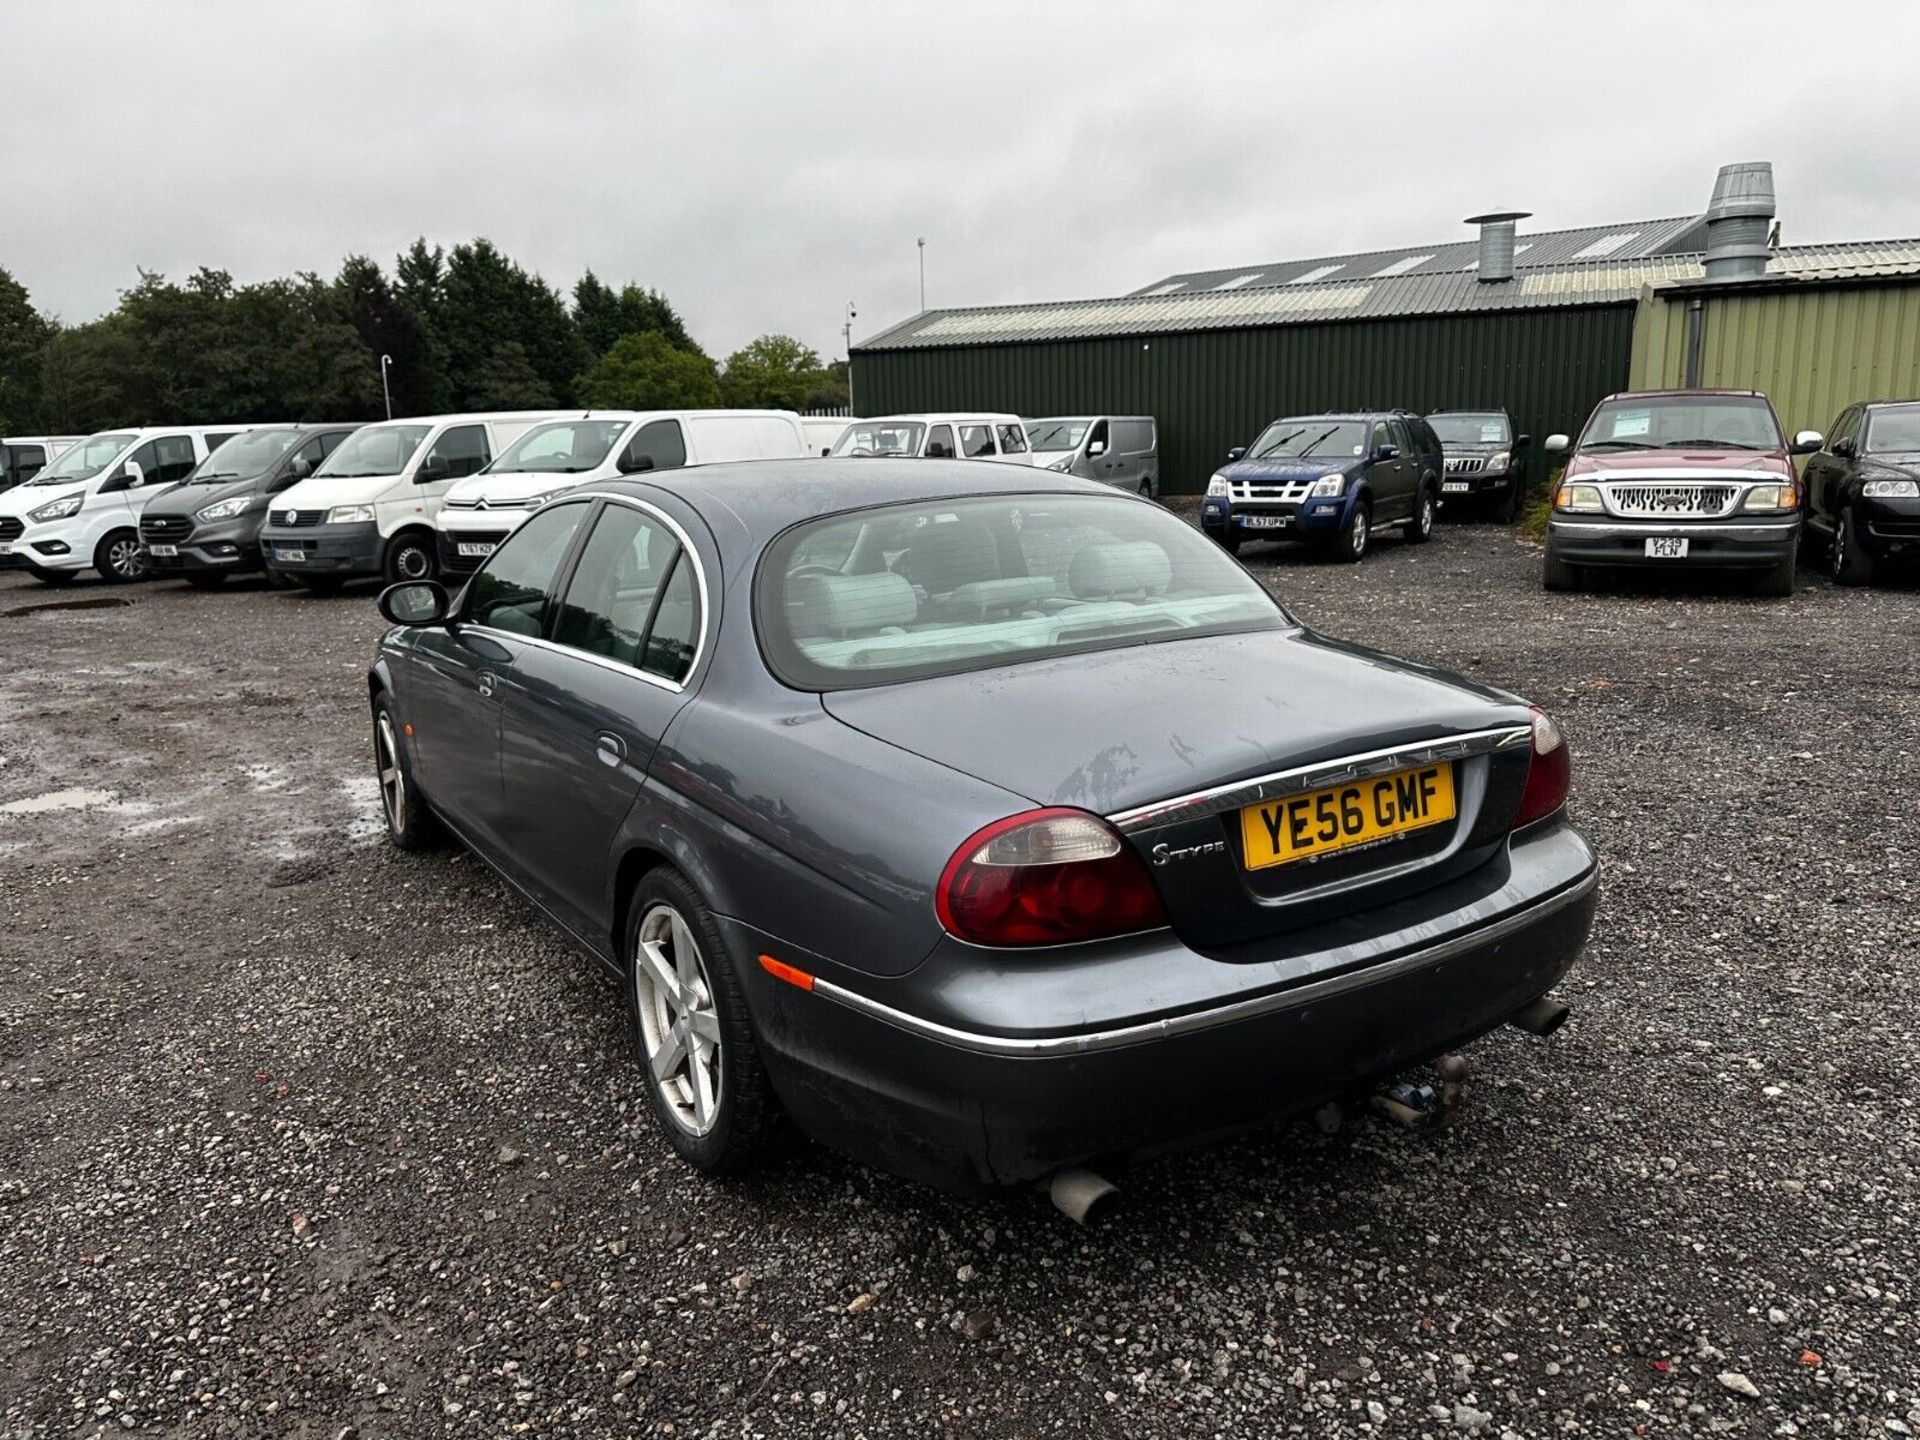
(1118, 450)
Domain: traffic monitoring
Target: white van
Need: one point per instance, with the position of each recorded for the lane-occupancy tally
(822, 432)
(370, 507)
(24, 456)
(972, 435)
(1118, 450)
(482, 510)
(82, 510)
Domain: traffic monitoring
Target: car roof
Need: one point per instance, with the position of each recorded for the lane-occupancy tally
(1468, 410)
(767, 496)
(938, 416)
(1681, 394)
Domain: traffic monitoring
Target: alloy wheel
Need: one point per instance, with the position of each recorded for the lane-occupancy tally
(678, 1022)
(1837, 551)
(1358, 542)
(393, 785)
(126, 559)
(1426, 515)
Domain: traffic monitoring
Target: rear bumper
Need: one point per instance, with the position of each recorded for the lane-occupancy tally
(1743, 544)
(1024, 1085)
(323, 549)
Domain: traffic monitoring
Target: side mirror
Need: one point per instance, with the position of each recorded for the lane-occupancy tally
(1555, 444)
(1521, 442)
(414, 602)
(1238, 452)
(1387, 452)
(432, 469)
(130, 477)
(632, 464)
(1096, 448)
(1807, 441)
(1845, 448)
(300, 469)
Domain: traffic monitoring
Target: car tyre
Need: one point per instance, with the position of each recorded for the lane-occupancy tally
(1351, 543)
(1425, 509)
(119, 558)
(687, 1020)
(1848, 562)
(1557, 574)
(1776, 581)
(410, 557)
(1515, 502)
(411, 826)
(206, 579)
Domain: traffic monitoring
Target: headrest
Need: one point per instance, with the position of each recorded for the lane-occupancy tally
(1138, 567)
(842, 604)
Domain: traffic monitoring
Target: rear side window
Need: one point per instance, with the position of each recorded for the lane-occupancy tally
(24, 461)
(633, 596)
(661, 442)
(464, 449)
(173, 460)
(940, 443)
(510, 592)
(1135, 436)
(976, 440)
(1012, 440)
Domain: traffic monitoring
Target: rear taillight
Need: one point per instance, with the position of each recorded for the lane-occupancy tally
(1047, 877)
(1550, 775)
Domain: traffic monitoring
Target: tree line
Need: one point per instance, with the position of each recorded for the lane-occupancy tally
(467, 329)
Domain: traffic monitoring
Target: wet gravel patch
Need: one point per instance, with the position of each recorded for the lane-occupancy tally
(299, 1136)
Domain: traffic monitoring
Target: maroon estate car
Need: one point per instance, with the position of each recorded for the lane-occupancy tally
(1679, 478)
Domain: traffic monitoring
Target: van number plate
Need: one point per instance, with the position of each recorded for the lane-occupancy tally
(1265, 522)
(290, 557)
(1666, 547)
(1455, 487)
(162, 552)
(474, 547)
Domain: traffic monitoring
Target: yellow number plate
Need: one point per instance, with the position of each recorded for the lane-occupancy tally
(1342, 816)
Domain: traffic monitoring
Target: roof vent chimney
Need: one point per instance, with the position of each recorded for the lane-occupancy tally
(1496, 243)
(1739, 218)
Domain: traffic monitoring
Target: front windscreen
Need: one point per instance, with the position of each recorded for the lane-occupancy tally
(1464, 429)
(1894, 430)
(244, 456)
(374, 450)
(881, 437)
(86, 459)
(570, 447)
(901, 592)
(1683, 422)
(1057, 434)
(1310, 440)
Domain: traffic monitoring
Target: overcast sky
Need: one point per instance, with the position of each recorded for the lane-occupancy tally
(765, 163)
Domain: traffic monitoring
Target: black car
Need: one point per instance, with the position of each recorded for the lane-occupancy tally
(1863, 489)
(1484, 469)
(208, 526)
(822, 760)
(1333, 481)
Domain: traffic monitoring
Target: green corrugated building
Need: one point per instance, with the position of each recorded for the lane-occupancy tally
(1541, 325)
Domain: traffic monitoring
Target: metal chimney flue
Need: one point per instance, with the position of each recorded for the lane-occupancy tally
(1496, 243)
(1739, 218)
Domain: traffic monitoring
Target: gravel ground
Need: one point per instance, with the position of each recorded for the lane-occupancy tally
(302, 1137)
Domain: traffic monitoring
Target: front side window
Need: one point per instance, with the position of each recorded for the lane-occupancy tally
(251, 454)
(1683, 422)
(617, 586)
(1310, 439)
(976, 441)
(24, 461)
(85, 459)
(309, 456)
(510, 592)
(569, 447)
(1012, 442)
(863, 438)
(940, 443)
(1894, 430)
(375, 450)
(173, 459)
(462, 450)
(661, 442)
(1099, 438)
(900, 592)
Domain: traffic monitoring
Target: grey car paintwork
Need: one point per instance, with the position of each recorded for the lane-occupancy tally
(816, 826)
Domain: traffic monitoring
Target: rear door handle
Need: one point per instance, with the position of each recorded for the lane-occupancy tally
(612, 749)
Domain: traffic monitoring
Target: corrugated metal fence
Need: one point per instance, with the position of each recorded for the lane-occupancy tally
(1814, 350)
(1215, 389)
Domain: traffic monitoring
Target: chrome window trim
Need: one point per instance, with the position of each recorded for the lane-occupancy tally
(1221, 798)
(678, 687)
(1090, 1041)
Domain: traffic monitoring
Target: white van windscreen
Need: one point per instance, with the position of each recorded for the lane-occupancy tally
(374, 450)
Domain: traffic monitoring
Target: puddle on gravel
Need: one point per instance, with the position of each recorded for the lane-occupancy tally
(99, 602)
(57, 800)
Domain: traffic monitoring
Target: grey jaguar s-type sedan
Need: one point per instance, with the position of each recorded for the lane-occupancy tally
(987, 823)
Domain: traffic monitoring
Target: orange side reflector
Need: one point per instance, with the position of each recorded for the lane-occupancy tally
(780, 970)
(409, 731)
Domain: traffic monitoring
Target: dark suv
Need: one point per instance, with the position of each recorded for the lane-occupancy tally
(1483, 462)
(1863, 489)
(1679, 479)
(1330, 480)
(208, 526)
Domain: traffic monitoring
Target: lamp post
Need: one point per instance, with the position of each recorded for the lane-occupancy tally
(385, 393)
(922, 242)
(846, 333)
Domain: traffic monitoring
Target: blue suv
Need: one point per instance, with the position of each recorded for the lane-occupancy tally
(1330, 480)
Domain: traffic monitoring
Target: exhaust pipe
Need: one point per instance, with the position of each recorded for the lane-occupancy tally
(1542, 1017)
(1080, 1194)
